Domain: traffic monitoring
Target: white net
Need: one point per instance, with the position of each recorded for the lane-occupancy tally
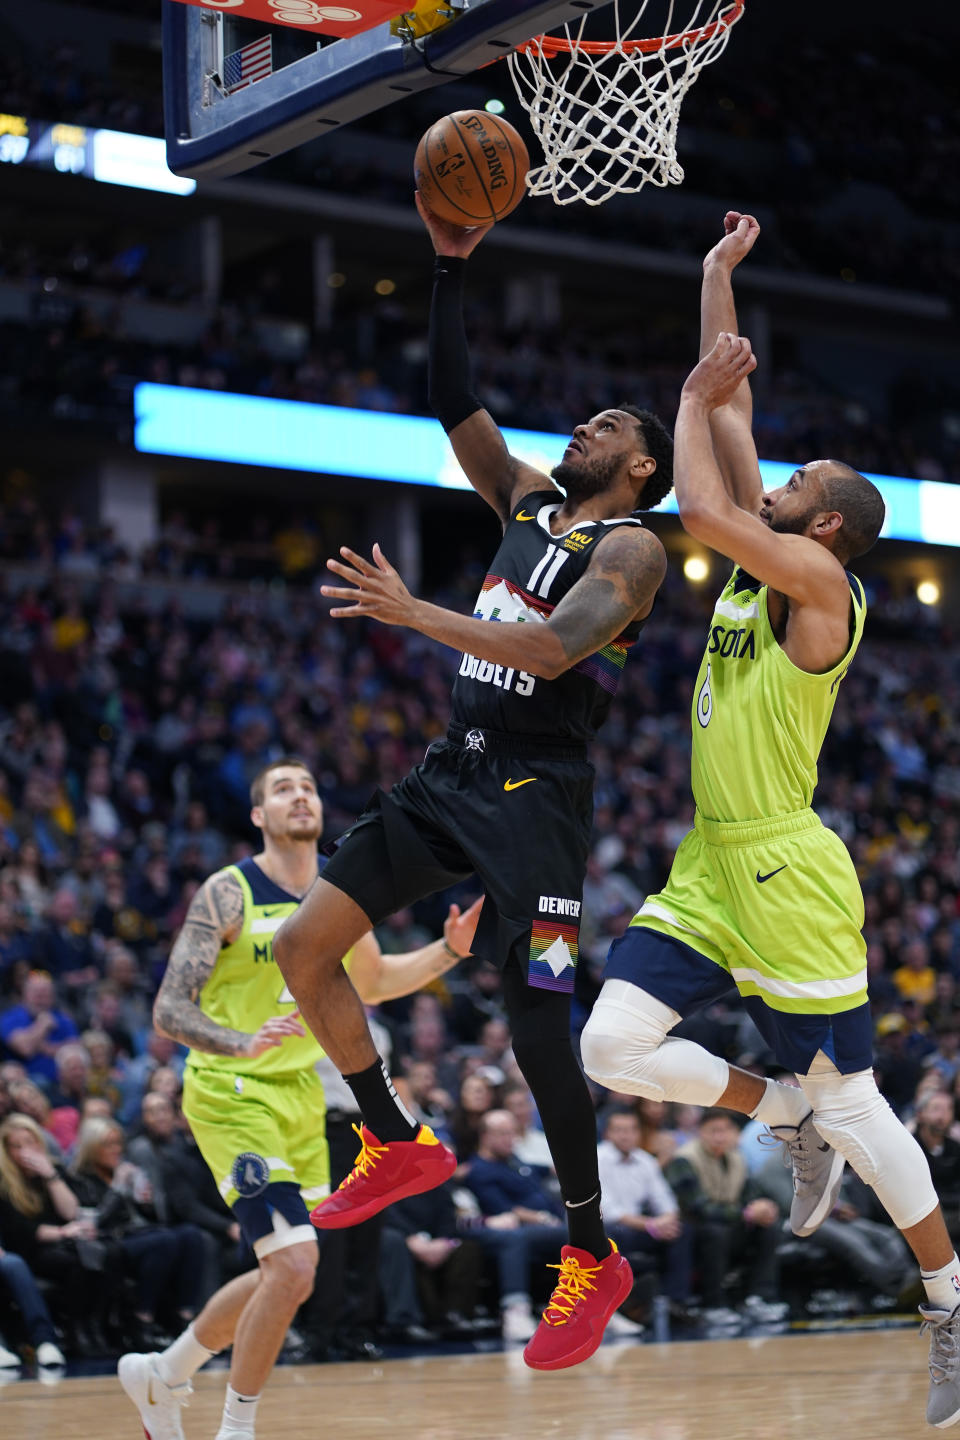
(606, 114)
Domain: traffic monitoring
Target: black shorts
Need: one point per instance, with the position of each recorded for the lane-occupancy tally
(515, 810)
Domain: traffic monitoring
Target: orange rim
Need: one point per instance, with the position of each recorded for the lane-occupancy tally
(552, 46)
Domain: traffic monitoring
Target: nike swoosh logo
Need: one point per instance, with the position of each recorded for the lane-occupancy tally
(770, 875)
(522, 516)
(275, 909)
(515, 784)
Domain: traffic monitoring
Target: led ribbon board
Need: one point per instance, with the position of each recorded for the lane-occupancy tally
(114, 156)
(411, 449)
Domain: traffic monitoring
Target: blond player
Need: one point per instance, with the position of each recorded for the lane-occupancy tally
(250, 1082)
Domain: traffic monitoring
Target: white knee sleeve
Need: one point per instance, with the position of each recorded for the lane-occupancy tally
(625, 1046)
(852, 1116)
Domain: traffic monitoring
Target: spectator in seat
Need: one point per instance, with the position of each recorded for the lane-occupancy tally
(916, 978)
(935, 1118)
(34, 1030)
(26, 1098)
(531, 1146)
(184, 1191)
(731, 1217)
(519, 1220)
(641, 1210)
(165, 1262)
(39, 1221)
(66, 947)
(18, 950)
(428, 1271)
(161, 1053)
(477, 1099)
(69, 1094)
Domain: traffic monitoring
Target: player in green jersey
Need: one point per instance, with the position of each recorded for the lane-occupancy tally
(760, 891)
(250, 1080)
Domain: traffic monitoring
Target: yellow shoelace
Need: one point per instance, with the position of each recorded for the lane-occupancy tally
(365, 1161)
(575, 1280)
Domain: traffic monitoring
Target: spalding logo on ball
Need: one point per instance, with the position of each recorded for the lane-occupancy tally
(470, 168)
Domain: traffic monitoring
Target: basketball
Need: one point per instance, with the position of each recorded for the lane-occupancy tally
(470, 168)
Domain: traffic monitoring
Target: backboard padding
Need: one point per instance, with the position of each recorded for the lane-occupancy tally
(212, 134)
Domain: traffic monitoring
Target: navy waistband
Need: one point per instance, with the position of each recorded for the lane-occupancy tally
(497, 742)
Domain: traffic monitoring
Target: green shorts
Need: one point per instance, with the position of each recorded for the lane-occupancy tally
(265, 1142)
(776, 907)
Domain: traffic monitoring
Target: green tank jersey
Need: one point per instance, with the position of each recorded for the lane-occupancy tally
(246, 987)
(759, 721)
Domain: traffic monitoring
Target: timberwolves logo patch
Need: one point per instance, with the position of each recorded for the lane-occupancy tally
(705, 701)
(250, 1175)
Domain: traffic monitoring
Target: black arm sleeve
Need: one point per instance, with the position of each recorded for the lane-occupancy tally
(451, 398)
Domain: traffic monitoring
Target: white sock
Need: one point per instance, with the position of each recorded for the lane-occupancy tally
(183, 1358)
(782, 1105)
(943, 1286)
(239, 1415)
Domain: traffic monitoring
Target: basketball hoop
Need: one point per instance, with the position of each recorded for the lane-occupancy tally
(606, 111)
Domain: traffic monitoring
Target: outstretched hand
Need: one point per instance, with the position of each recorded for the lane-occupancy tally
(376, 589)
(459, 929)
(450, 239)
(714, 381)
(274, 1031)
(739, 237)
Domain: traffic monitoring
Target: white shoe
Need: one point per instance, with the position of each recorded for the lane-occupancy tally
(721, 1317)
(158, 1403)
(8, 1360)
(619, 1325)
(765, 1312)
(943, 1400)
(50, 1354)
(817, 1173)
(518, 1321)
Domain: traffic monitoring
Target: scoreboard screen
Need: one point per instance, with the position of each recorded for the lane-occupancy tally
(112, 156)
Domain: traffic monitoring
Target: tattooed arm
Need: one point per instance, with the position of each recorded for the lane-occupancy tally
(215, 919)
(620, 583)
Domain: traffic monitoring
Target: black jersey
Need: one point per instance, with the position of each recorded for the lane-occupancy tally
(529, 576)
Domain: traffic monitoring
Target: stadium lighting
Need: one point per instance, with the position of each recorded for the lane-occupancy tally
(928, 592)
(696, 569)
(495, 107)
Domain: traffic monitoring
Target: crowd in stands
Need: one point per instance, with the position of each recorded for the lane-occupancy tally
(744, 138)
(72, 363)
(129, 732)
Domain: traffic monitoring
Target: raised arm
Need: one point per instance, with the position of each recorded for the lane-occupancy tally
(618, 586)
(730, 424)
(378, 977)
(794, 565)
(499, 477)
(214, 919)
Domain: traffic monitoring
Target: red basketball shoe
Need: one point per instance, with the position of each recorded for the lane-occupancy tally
(382, 1174)
(585, 1297)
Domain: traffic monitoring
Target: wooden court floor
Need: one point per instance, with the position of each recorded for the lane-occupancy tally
(776, 1388)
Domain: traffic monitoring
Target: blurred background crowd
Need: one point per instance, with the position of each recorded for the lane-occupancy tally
(162, 637)
(125, 763)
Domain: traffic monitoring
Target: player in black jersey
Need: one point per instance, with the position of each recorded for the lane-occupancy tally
(508, 794)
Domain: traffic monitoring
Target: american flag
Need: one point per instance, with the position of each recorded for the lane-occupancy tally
(243, 67)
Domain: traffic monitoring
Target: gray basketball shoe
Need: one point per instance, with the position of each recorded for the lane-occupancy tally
(943, 1401)
(817, 1173)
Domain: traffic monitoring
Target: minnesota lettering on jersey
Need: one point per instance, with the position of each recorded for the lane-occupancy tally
(729, 642)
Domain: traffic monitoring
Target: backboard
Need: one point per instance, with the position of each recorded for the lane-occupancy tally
(238, 92)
